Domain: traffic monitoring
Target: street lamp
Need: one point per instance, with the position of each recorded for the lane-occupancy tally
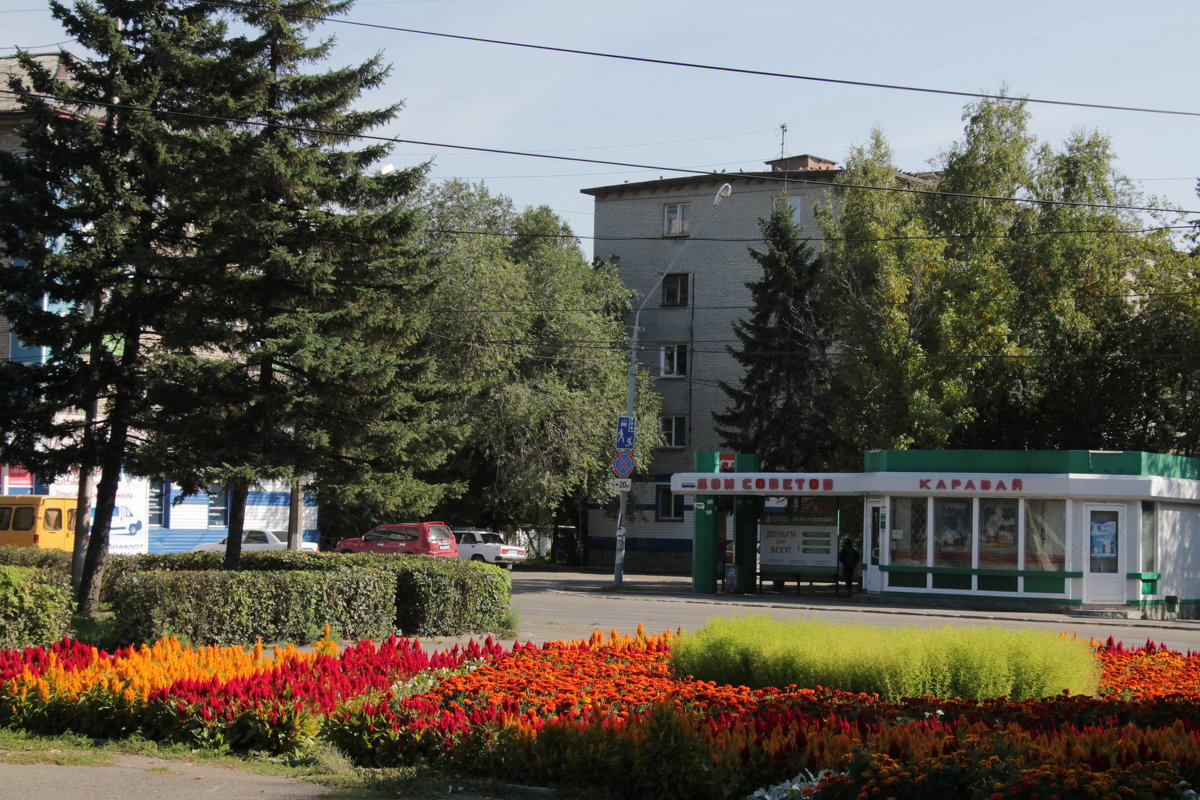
(631, 389)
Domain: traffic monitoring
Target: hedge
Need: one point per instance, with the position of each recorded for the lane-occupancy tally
(35, 606)
(238, 607)
(289, 596)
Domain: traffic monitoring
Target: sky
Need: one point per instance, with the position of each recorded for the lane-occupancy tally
(475, 94)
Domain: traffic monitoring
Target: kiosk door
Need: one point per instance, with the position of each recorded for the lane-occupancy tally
(1103, 545)
(876, 525)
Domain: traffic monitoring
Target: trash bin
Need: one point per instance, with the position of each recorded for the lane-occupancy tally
(731, 577)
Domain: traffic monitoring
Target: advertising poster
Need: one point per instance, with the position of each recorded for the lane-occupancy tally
(795, 541)
(128, 532)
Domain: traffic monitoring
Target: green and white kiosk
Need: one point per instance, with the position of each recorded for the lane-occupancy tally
(1082, 528)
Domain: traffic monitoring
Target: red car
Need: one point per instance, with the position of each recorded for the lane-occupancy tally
(420, 538)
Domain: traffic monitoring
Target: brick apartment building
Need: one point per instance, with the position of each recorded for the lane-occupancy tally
(687, 324)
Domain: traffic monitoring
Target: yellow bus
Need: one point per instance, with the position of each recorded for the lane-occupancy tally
(36, 520)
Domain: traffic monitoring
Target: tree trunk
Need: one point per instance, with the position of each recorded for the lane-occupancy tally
(237, 524)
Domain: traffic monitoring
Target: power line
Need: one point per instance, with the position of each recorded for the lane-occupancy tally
(721, 176)
(714, 68)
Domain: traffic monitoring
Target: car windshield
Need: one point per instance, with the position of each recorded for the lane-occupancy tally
(439, 533)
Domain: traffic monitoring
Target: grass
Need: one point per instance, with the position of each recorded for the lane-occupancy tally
(893, 662)
(323, 765)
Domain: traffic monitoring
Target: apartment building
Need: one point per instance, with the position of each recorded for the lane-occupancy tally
(669, 228)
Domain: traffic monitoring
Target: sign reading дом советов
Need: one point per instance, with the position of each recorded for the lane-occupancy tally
(798, 541)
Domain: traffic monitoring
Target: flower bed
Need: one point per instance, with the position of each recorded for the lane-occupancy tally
(606, 712)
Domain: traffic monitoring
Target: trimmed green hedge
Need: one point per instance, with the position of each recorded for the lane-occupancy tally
(289, 596)
(227, 608)
(35, 606)
(36, 557)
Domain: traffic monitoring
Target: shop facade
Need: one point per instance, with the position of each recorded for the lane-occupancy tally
(1074, 528)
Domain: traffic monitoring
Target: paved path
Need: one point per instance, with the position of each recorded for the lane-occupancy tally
(562, 604)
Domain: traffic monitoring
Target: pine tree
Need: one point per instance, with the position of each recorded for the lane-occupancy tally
(782, 408)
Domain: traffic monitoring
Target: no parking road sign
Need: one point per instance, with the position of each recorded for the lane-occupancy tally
(623, 464)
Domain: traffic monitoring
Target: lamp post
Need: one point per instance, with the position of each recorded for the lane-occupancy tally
(631, 389)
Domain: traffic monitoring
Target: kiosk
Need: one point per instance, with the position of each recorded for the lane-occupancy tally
(1092, 529)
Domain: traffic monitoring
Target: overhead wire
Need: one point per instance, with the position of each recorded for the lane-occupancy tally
(722, 176)
(714, 68)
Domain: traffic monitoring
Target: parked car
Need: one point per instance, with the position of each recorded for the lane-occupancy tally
(255, 540)
(420, 538)
(489, 546)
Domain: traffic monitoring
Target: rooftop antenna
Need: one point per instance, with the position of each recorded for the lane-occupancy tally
(783, 188)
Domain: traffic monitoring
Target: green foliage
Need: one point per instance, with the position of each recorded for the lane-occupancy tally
(35, 606)
(55, 560)
(779, 407)
(289, 596)
(224, 607)
(541, 417)
(951, 662)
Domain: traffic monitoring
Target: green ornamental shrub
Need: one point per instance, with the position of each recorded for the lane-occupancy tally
(893, 662)
(35, 606)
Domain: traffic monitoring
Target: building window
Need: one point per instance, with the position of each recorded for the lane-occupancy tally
(668, 506)
(953, 533)
(675, 290)
(1149, 536)
(677, 219)
(674, 431)
(218, 506)
(674, 361)
(158, 503)
(998, 533)
(907, 537)
(1045, 535)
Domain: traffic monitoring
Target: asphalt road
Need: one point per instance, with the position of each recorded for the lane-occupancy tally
(559, 604)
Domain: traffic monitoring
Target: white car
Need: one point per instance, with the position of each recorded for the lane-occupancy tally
(488, 546)
(255, 540)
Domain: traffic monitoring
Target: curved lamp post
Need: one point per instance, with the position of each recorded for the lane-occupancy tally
(622, 510)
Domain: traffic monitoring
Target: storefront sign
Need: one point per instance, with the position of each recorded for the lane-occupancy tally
(971, 484)
(797, 483)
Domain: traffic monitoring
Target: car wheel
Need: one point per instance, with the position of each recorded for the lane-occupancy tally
(479, 558)
(135, 527)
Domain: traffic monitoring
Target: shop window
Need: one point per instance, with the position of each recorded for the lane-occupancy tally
(674, 431)
(998, 534)
(677, 219)
(1149, 536)
(906, 540)
(1104, 529)
(1045, 535)
(675, 290)
(953, 533)
(674, 361)
(668, 506)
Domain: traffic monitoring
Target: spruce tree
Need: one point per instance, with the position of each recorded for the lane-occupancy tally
(90, 223)
(781, 409)
(318, 302)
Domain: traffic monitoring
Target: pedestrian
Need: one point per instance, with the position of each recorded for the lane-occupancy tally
(848, 559)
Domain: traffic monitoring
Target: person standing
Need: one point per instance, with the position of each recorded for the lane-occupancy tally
(848, 560)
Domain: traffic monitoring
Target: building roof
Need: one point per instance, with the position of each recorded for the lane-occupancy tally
(804, 168)
(10, 66)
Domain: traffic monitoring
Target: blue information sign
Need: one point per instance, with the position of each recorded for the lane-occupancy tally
(626, 428)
